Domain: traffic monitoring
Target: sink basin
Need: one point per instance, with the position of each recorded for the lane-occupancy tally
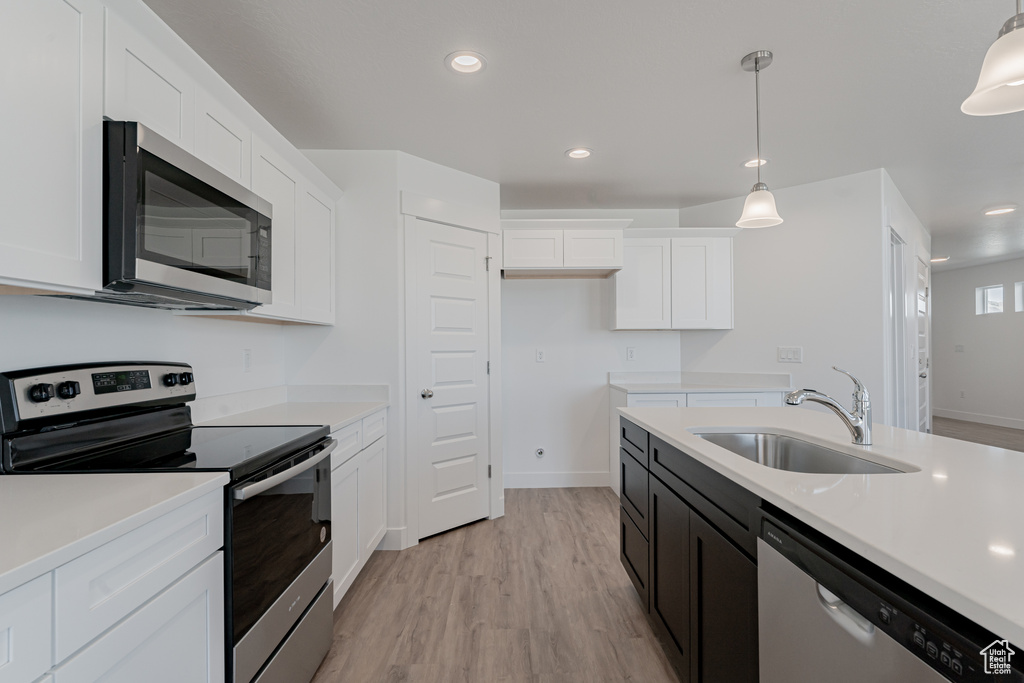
(794, 455)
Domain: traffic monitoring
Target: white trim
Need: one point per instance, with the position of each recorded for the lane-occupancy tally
(994, 420)
(396, 539)
(466, 216)
(553, 480)
(497, 462)
(565, 223)
(682, 232)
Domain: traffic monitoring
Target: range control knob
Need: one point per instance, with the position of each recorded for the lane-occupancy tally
(41, 393)
(68, 390)
(186, 378)
(171, 380)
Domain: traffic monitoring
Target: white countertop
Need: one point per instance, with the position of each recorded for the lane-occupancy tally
(953, 528)
(333, 414)
(47, 520)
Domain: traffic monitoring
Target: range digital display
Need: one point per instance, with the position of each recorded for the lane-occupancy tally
(113, 382)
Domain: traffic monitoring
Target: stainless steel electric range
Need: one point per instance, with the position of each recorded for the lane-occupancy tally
(133, 417)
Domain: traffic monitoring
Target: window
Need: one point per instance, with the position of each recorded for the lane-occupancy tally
(1018, 297)
(989, 299)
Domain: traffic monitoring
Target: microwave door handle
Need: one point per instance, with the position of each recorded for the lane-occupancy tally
(258, 487)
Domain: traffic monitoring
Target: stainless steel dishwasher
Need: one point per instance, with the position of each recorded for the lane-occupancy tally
(825, 614)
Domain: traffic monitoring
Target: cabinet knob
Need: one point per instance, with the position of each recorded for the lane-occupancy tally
(427, 393)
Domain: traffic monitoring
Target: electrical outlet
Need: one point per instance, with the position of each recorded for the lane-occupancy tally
(791, 354)
(630, 353)
(246, 360)
(962, 395)
(540, 355)
(959, 348)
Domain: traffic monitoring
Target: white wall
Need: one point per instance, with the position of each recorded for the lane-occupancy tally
(367, 344)
(816, 281)
(990, 370)
(40, 331)
(561, 405)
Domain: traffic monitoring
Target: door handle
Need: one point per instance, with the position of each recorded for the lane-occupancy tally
(427, 393)
(923, 375)
(845, 616)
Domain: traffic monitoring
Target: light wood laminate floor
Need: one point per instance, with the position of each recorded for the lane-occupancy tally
(990, 435)
(537, 595)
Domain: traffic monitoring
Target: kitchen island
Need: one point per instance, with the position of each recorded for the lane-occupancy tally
(949, 524)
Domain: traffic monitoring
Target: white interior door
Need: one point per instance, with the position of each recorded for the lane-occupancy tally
(924, 404)
(447, 356)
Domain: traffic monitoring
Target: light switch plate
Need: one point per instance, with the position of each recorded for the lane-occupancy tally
(540, 355)
(791, 354)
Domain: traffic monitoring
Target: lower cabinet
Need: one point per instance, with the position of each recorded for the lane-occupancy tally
(700, 586)
(358, 500)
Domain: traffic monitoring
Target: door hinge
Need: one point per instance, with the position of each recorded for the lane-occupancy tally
(487, 263)
(488, 367)
(488, 471)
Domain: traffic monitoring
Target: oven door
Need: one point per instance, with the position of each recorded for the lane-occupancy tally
(279, 534)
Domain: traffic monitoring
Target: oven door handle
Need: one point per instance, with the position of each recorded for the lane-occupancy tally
(253, 489)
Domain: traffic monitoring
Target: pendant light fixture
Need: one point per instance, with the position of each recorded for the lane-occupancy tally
(759, 210)
(1000, 88)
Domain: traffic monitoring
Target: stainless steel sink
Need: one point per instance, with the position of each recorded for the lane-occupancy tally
(794, 455)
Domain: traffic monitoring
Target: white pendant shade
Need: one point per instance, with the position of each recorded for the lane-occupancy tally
(759, 211)
(1003, 66)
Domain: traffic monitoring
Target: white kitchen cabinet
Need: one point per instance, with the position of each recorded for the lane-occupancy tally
(656, 401)
(562, 248)
(315, 256)
(145, 85)
(358, 497)
(222, 139)
(677, 283)
(748, 399)
(177, 636)
(26, 631)
(274, 179)
(52, 147)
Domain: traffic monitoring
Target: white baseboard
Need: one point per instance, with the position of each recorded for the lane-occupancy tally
(994, 420)
(396, 539)
(551, 480)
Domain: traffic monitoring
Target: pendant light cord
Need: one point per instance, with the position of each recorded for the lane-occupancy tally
(757, 100)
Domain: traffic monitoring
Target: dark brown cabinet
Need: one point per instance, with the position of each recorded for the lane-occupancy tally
(701, 582)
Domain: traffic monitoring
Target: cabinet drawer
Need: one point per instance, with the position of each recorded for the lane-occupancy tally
(729, 506)
(350, 442)
(634, 440)
(178, 636)
(634, 555)
(26, 630)
(748, 399)
(374, 427)
(100, 588)
(634, 489)
(656, 400)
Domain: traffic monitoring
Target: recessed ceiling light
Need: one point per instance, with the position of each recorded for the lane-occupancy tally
(1004, 550)
(465, 62)
(754, 163)
(940, 259)
(578, 153)
(1000, 210)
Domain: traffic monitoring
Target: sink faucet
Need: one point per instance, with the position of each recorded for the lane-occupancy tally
(858, 422)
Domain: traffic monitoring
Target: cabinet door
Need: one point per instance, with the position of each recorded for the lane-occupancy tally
(723, 609)
(52, 148)
(222, 140)
(643, 288)
(276, 181)
(592, 248)
(532, 249)
(315, 256)
(701, 283)
(670, 564)
(178, 636)
(142, 84)
(735, 400)
(344, 526)
(26, 630)
(634, 554)
(635, 493)
(372, 508)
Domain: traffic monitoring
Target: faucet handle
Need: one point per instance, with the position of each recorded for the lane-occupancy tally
(859, 386)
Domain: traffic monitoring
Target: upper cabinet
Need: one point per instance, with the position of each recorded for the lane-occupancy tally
(572, 248)
(79, 61)
(675, 279)
(52, 148)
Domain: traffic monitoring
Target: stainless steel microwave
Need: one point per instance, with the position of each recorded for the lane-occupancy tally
(177, 232)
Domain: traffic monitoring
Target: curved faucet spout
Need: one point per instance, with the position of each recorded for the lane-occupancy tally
(858, 421)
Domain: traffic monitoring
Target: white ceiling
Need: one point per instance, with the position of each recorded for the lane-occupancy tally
(654, 87)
